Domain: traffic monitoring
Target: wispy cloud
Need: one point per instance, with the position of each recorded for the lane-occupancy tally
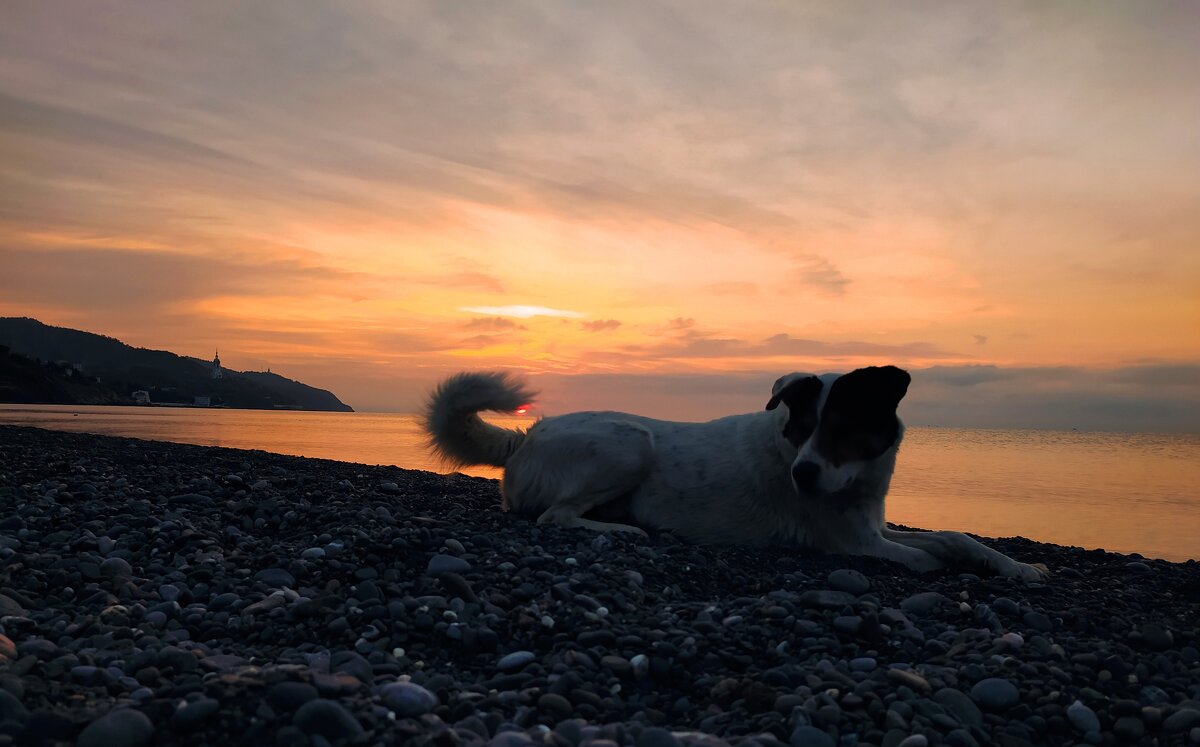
(524, 312)
(601, 325)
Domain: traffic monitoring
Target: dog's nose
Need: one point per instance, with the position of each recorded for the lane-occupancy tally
(805, 474)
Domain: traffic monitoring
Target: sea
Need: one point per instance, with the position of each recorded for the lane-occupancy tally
(1123, 492)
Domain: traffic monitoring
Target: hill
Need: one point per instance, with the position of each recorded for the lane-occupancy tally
(105, 370)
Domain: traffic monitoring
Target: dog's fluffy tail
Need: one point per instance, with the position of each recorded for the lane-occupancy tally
(458, 434)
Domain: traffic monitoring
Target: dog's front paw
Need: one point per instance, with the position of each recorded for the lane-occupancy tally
(1027, 571)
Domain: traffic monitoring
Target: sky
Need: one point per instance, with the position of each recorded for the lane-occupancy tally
(646, 206)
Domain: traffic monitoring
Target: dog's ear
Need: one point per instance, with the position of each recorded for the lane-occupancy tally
(882, 386)
(792, 387)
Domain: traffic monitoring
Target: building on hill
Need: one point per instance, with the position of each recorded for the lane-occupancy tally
(217, 371)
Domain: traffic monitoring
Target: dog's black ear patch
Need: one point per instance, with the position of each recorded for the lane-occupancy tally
(859, 420)
(800, 393)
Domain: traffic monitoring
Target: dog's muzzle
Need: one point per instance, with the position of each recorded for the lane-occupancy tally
(805, 475)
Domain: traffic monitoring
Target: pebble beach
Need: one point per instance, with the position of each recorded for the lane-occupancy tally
(159, 593)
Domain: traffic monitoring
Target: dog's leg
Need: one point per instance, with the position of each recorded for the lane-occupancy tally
(569, 516)
(957, 548)
(571, 472)
(911, 557)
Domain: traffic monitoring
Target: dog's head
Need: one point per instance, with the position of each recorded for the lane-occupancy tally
(844, 427)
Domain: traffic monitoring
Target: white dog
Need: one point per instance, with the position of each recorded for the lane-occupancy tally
(812, 474)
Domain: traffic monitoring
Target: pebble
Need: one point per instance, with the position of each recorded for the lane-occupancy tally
(442, 563)
(289, 696)
(995, 694)
(1084, 719)
(516, 660)
(408, 699)
(924, 603)
(327, 718)
(615, 641)
(810, 736)
(125, 727)
(849, 581)
(275, 577)
(194, 714)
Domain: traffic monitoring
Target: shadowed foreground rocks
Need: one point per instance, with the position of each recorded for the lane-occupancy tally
(155, 593)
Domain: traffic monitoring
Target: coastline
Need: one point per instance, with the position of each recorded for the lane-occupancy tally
(157, 592)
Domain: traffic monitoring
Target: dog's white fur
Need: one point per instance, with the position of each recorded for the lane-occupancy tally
(727, 481)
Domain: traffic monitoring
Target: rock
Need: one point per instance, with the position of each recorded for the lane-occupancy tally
(910, 679)
(390, 488)
(327, 718)
(11, 709)
(193, 714)
(656, 736)
(275, 577)
(1156, 637)
(995, 694)
(8, 649)
(313, 553)
(1005, 606)
(1182, 720)
(442, 563)
(514, 661)
(115, 567)
(914, 740)
(555, 703)
(924, 603)
(827, 599)
(408, 699)
(810, 736)
(849, 581)
(289, 696)
(9, 606)
(960, 705)
(1084, 719)
(125, 727)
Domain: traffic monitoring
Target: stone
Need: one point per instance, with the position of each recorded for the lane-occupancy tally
(1084, 719)
(192, 715)
(289, 696)
(914, 740)
(114, 567)
(514, 661)
(1182, 720)
(327, 718)
(442, 563)
(924, 603)
(911, 679)
(958, 703)
(121, 728)
(656, 736)
(849, 581)
(995, 694)
(408, 699)
(275, 577)
(827, 599)
(810, 736)
(1156, 637)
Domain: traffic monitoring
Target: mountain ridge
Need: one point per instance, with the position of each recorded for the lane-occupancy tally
(119, 369)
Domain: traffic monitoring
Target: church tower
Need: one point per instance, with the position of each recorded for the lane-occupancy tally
(217, 373)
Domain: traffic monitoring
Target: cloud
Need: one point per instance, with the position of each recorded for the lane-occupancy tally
(980, 339)
(492, 323)
(699, 345)
(679, 323)
(102, 279)
(601, 325)
(821, 273)
(523, 312)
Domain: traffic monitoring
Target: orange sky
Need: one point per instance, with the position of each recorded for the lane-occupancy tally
(366, 196)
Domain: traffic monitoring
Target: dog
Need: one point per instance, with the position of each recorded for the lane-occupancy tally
(810, 471)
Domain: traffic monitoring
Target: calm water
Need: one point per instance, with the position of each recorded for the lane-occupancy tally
(1121, 492)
